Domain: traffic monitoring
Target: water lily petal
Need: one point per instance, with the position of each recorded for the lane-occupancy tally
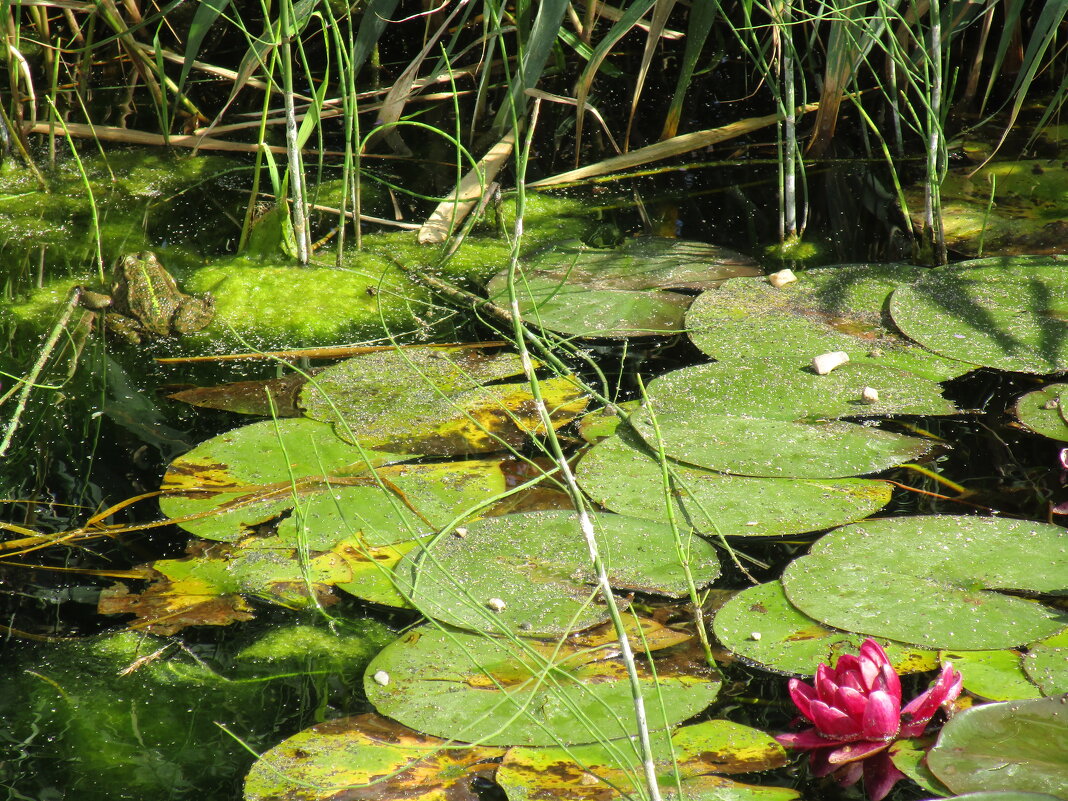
(854, 752)
(805, 740)
(818, 764)
(880, 776)
(889, 680)
(850, 773)
(852, 702)
(826, 686)
(919, 711)
(802, 695)
(832, 722)
(881, 716)
(847, 665)
(872, 661)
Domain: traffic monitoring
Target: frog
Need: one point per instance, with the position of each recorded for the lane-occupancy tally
(146, 302)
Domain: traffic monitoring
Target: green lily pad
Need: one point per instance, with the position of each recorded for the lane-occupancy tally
(589, 292)
(1012, 318)
(530, 573)
(1046, 664)
(1045, 411)
(646, 262)
(764, 388)
(367, 756)
(760, 625)
(316, 490)
(599, 771)
(626, 478)
(909, 756)
(934, 581)
(776, 448)
(1019, 746)
(993, 675)
(832, 309)
(475, 688)
(435, 401)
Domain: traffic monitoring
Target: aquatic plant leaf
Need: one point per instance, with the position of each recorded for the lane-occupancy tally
(537, 565)
(754, 446)
(436, 401)
(1046, 663)
(993, 675)
(1012, 317)
(760, 625)
(272, 397)
(910, 757)
(625, 477)
(369, 757)
(832, 309)
(767, 388)
(576, 289)
(315, 490)
(209, 587)
(599, 772)
(475, 688)
(1018, 746)
(1045, 411)
(1006, 207)
(934, 581)
(637, 264)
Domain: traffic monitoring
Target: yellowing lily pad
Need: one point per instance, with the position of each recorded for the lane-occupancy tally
(1012, 317)
(605, 771)
(530, 573)
(315, 490)
(476, 688)
(440, 401)
(934, 581)
(1045, 411)
(760, 625)
(368, 757)
(625, 477)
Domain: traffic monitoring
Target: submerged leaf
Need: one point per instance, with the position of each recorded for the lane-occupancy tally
(589, 292)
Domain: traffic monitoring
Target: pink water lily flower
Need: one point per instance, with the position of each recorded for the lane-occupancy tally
(855, 709)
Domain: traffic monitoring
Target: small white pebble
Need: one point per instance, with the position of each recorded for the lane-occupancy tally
(782, 278)
(756, 635)
(460, 532)
(869, 395)
(381, 677)
(826, 362)
(496, 604)
(588, 780)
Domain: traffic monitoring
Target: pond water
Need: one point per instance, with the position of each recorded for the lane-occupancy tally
(224, 658)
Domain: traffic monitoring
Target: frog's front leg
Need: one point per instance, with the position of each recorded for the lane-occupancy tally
(123, 327)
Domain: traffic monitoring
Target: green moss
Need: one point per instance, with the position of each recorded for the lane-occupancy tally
(130, 716)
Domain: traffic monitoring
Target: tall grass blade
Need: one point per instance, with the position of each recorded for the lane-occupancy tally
(652, 39)
(539, 43)
(684, 143)
(207, 13)
(625, 25)
(702, 15)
